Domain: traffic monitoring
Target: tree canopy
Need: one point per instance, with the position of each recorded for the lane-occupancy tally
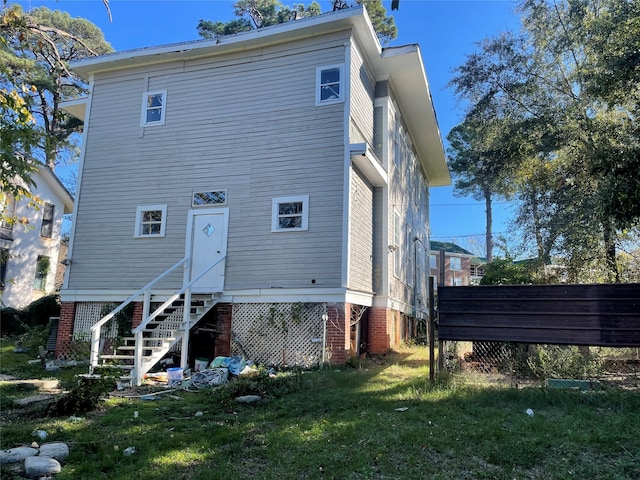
(35, 51)
(565, 93)
(254, 14)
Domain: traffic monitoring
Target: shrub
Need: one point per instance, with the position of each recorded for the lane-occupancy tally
(555, 361)
(12, 323)
(38, 312)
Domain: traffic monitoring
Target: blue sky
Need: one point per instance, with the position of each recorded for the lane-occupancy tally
(446, 30)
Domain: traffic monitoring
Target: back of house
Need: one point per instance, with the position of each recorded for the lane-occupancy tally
(273, 168)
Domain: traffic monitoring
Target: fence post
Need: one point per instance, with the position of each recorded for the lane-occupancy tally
(431, 332)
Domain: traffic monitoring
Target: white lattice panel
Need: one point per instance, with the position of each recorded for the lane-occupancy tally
(87, 314)
(278, 333)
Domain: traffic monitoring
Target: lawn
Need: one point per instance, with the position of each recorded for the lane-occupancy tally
(379, 419)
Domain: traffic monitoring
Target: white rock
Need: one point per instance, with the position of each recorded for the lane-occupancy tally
(17, 454)
(39, 466)
(249, 399)
(57, 450)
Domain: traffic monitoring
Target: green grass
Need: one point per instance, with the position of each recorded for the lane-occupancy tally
(343, 424)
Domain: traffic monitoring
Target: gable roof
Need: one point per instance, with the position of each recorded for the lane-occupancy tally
(54, 183)
(402, 66)
(449, 248)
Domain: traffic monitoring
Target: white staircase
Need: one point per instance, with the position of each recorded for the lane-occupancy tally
(157, 338)
(159, 330)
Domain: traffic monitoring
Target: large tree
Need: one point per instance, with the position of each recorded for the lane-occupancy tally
(576, 115)
(35, 51)
(253, 14)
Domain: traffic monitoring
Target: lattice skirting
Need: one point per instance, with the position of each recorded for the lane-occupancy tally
(89, 313)
(282, 334)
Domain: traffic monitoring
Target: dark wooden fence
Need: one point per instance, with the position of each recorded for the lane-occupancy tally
(595, 315)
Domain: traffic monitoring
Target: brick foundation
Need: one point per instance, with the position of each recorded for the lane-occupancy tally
(65, 329)
(223, 329)
(386, 330)
(338, 334)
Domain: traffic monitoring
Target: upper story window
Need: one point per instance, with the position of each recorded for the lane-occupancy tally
(4, 260)
(455, 263)
(432, 261)
(329, 84)
(151, 221)
(290, 214)
(153, 108)
(8, 212)
(42, 270)
(46, 230)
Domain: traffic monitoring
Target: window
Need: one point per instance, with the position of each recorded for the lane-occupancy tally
(42, 269)
(329, 88)
(290, 214)
(46, 230)
(153, 108)
(397, 238)
(4, 260)
(151, 221)
(202, 199)
(432, 262)
(455, 263)
(8, 212)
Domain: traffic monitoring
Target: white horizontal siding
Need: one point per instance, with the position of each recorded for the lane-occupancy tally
(362, 99)
(361, 233)
(250, 128)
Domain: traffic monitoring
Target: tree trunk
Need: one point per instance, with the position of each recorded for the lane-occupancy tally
(489, 218)
(611, 263)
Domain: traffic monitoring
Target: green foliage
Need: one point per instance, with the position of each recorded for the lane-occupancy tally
(565, 92)
(555, 361)
(263, 384)
(503, 271)
(83, 397)
(35, 49)
(36, 314)
(253, 14)
(34, 337)
(12, 322)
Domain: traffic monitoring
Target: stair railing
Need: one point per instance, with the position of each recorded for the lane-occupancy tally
(186, 314)
(146, 291)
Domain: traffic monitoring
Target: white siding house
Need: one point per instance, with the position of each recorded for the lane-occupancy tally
(29, 249)
(298, 155)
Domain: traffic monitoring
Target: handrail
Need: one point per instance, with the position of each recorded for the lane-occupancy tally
(95, 329)
(173, 297)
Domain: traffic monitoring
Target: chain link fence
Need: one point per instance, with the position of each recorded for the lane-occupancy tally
(521, 362)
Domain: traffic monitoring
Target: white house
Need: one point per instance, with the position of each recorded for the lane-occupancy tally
(288, 166)
(29, 249)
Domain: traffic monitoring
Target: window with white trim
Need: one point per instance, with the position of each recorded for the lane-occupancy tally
(153, 108)
(455, 263)
(151, 221)
(329, 84)
(397, 240)
(290, 214)
(46, 229)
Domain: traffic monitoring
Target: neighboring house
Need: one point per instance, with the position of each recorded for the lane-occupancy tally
(29, 250)
(461, 267)
(298, 156)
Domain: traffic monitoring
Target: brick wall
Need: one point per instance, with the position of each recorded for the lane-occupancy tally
(65, 329)
(338, 333)
(137, 314)
(223, 329)
(379, 334)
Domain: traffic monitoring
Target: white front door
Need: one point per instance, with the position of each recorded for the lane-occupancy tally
(207, 244)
